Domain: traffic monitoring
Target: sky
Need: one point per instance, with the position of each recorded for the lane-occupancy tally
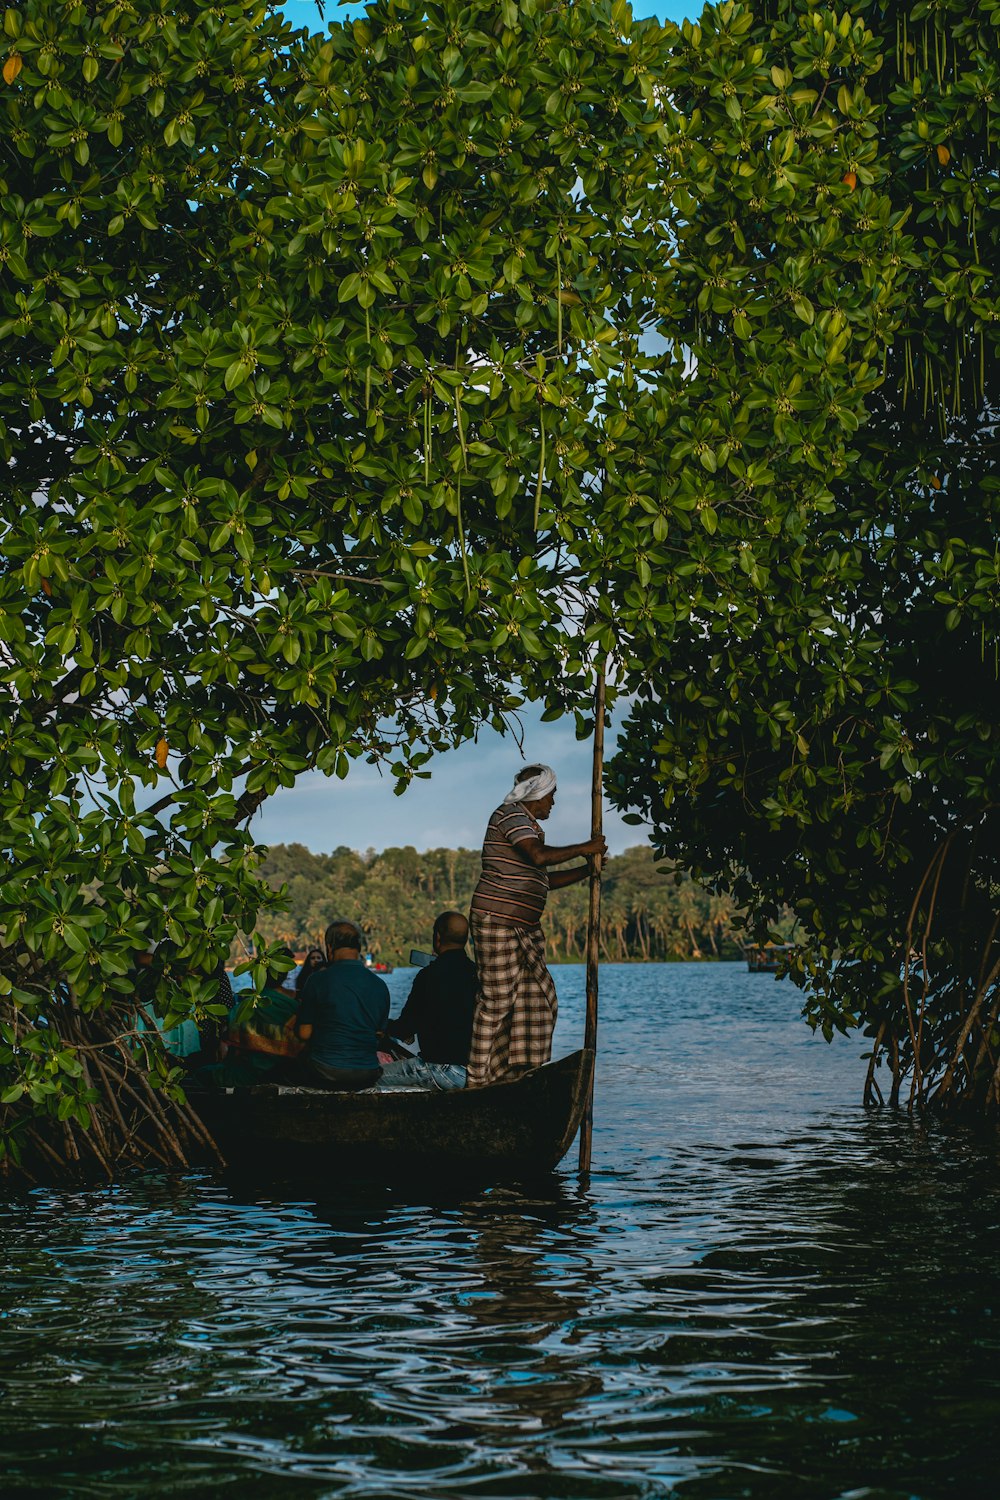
(306, 13)
(451, 809)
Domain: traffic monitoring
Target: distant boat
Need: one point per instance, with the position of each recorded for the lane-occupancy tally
(525, 1125)
(766, 958)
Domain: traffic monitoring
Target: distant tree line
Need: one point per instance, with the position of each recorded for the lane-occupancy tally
(647, 912)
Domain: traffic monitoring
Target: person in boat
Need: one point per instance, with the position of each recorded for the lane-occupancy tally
(516, 1003)
(314, 959)
(188, 1044)
(260, 1039)
(342, 1009)
(437, 1014)
(182, 1041)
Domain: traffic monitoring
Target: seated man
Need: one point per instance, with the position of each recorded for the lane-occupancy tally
(342, 1009)
(439, 1013)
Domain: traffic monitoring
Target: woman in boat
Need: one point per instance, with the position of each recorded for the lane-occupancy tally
(314, 959)
(516, 1003)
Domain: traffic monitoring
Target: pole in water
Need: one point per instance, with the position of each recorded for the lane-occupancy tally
(593, 915)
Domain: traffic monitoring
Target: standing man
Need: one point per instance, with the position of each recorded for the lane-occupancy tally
(438, 1012)
(516, 1005)
(343, 1007)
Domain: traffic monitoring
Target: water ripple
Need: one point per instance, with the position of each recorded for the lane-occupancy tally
(762, 1293)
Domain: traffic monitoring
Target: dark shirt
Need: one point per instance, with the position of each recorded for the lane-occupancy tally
(510, 886)
(439, 1009)
(345, 1005)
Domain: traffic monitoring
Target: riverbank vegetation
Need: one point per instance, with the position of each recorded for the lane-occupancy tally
(841, 750)
(396, 894)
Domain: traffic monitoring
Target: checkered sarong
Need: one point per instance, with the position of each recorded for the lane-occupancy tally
(516, 1003)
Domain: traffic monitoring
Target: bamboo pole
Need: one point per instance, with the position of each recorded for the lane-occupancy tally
(593, 915)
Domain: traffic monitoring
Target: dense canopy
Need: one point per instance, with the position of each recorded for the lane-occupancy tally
(357, 386)
(834, 744)
(310, 344)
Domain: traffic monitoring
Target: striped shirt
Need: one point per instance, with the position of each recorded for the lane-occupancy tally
(510, 887)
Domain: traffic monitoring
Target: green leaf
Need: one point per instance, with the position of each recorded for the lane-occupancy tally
(236, 374)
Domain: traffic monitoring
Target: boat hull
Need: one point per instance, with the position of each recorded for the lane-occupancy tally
(528, 1124)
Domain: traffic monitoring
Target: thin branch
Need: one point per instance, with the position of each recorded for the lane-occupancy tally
(378, 583)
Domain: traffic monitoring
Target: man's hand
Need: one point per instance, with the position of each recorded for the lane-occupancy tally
(542, 855)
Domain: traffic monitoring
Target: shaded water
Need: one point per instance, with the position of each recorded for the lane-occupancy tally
(762, 1292)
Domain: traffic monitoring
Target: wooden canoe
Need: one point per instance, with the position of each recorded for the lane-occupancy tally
(528, 1124)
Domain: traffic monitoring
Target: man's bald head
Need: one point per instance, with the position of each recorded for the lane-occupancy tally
(343, 935)
(451, 930)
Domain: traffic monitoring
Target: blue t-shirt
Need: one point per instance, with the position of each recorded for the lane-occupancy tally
(345, 1004)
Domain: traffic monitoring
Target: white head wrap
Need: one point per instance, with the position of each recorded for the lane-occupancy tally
(533, 788)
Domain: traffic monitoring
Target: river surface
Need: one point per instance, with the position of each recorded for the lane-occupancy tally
(762, 1292)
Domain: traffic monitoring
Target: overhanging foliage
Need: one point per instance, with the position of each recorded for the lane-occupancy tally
(835, 743)
(309, 348)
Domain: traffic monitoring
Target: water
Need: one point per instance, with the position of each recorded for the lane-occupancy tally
(763, 1292)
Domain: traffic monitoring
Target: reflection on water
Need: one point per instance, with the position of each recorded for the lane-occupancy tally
(762, 1292)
